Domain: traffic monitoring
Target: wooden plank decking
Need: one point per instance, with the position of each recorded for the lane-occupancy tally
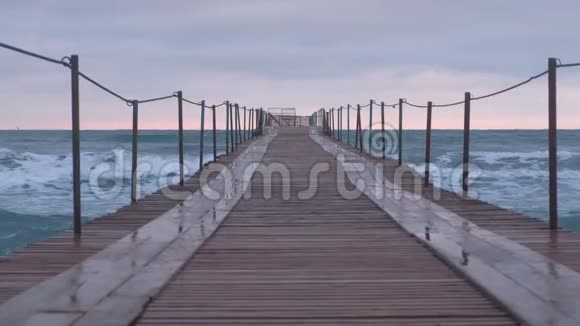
(40, 261)
(322, 261)
(561, 245)
(325, 260)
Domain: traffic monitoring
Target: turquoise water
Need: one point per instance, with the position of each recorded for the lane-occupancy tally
(36, 191)
(512, 166)
(36, 176)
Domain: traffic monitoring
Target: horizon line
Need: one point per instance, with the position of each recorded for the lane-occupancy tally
(210, 130)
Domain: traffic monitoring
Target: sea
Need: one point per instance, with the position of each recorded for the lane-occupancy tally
(510, 169)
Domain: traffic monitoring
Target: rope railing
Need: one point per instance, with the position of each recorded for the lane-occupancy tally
(64, 62)
(191, 102)
(414, 105)
(106, 89)
(234, 117)
(511, 87)
(328, 126)
(156, 99)
(207, 105)
(504, 90)
(251, 128)
(218, 105)
(568, 65)
(386, 104)
(448, 104)
(35, 55)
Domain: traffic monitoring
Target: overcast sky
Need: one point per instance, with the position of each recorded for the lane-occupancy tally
(302, 54)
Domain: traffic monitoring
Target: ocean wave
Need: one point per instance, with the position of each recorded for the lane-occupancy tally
(511, 186)
(522, 157)
(42, 183)
(9, 235)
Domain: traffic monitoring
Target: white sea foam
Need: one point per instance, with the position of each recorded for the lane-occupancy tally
(521, 185)
(41, 184)
(8, 236)
(497, 157)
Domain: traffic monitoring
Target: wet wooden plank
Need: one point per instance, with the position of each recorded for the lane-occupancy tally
(561, 245)
(46, 259)
(322, 261)
(537, 289)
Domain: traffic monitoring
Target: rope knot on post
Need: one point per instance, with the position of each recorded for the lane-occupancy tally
(66, 61)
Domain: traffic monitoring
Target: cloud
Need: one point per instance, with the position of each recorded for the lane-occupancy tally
(306, 54)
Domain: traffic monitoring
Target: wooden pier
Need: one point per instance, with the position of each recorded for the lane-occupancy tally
(263, 256)
(320, 261)
(41, 261)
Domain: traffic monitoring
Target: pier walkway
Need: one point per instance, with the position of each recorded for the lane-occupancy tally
(309, 232)
(325, 260)
(41, 261)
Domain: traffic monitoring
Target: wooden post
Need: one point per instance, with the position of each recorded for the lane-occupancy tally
(135, 149)
(214, 135)
(356, 128)
(340, 123)
(180, 135)
(466, 131)
(261, 121)
(76, 145)
(337, 110)
(234, 127)
(245, 133)
(370, 126)
(428, 143)
(232, 144)
(251, 122)
(329, 123)
(328, 128)
(384, 149)
(236, 109)
(336, 126)
(348, 124)
(400, 140)
(258, 122)
(257, 118)
(323, 115)
(553, 142)
(332, 121)
(202, 135)
(325, 122)
(359, 123)
(227, 127)
(239, 125)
